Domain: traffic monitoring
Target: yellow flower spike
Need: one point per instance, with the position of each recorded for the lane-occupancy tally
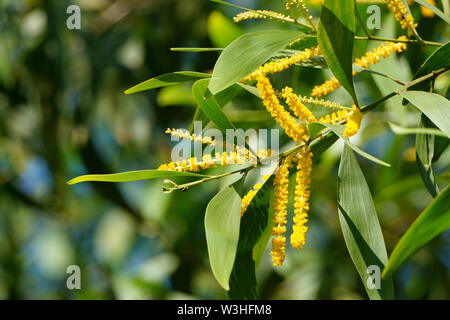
(301, 199)
(262, 14)
(402, 15)
(277, 111)
(184, 134)
(283, 64)
(300, 110)
(281, 185)
(371, 57)
(353, 123)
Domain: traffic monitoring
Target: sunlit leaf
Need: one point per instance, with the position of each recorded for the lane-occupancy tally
(434, 106)
(167, 79)
(434, 220)
(246, 54)
(134, 176)
(222, 221)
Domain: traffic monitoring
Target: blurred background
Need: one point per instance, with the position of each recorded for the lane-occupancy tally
(63, 113)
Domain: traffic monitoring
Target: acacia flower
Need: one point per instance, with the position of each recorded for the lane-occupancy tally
(301, 199)
(402, 15)
(261, 14)
(185, 135)
(296, 105)
(428, 13)
(292, 128)
(284, 63)
(353, 123)
(281, 195)
(251, 194)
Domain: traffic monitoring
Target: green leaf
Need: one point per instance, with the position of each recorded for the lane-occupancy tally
(434, 106)
(434, 220)
(222, 98)
(222, 221)
(360, 225)
(167, 79)
(253, 226)
(338, 129)
(437, 60)
(210, 106)
(438, 12)
(193, 49)
(424, 157)
(421, 130)
(335, 36)
(134, 176)
(246, 54)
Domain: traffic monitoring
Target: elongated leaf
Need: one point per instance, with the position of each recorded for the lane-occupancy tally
(209, 106)
(167, 79)
(193, 49)
(253, 224)
(437, 60)
(360, 225)
(246, 54)
(335, 36)
(222, 98)
(339, 129)
(434, 106)
(424, 157)
(134, 176)
(434, 220)
(438, 12)
(421, 130)
(222, 221)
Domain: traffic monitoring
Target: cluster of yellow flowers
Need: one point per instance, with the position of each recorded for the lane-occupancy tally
(292, 128)
(252, 193)
(402, 15)
(301, 204)
(208, 161)
(296, 105)
(353, 122)
(261, 14)
(371, 57)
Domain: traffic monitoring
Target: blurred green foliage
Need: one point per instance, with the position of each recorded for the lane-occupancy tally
(63, 113)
